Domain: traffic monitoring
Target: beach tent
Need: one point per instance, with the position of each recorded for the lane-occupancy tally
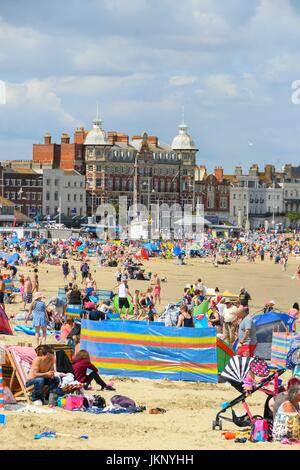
(265, 324)
(151, 247)
(142, 254)
(13, 259)
(177, 251)
(5, 328)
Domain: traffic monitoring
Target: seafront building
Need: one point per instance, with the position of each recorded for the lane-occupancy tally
(74, 178)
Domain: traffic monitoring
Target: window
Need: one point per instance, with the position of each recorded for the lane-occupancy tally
(69, 184)
(6, 182)
(69, 198)
(81, 198)
(18, 182)
(75, 184)
(13, 182)
(234, 211)
(75, 197)
(12, 196)
(47, 210)
(39, 196)
(27, 182)
(56, 196)
(56, 182)
(28, 196)
(81, 184)
(234, 196)
(33, 196)
(80, 211)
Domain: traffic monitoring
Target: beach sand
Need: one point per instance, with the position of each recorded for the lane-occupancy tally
(191, 407)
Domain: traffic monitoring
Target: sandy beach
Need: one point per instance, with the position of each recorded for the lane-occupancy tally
(191, 407)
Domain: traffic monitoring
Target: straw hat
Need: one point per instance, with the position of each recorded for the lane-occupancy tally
(38, 295)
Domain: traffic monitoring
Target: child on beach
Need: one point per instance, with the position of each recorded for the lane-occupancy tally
(136, 303)
(73, 274)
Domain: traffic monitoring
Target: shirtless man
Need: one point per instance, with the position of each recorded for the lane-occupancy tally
(27, 291)
(41, 374)
(2, 292)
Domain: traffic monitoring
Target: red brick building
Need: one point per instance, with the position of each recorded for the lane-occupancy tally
(213, 191)
(66, 155)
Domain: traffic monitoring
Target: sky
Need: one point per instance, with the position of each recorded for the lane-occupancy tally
(231, 64)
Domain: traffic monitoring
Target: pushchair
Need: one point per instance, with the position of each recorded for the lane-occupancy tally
(234, 373)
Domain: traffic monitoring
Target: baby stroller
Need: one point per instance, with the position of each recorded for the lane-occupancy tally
(234, 373)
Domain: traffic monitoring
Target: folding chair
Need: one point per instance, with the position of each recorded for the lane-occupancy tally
(14, 375)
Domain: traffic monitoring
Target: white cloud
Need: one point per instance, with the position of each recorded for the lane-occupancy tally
(222, 85)
(182, 80)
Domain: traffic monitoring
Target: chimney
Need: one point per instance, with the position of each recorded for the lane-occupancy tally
(219, 172)
(152, 139)
(238, 171)
(65, 139)
(253, 170)
(121, 137)
(269, 171)
(47, 138)
(80, 135)
(112, 137)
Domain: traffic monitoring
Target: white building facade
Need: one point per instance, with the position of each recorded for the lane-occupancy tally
(257, 202)
(65, 189)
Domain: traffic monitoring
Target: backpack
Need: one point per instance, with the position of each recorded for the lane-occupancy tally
(261, 430)
(122, 401)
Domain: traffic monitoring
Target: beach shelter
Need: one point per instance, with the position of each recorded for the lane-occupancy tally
(229, 295)
(142, 254)
(266, 324)
(177, 251)
(4, 324)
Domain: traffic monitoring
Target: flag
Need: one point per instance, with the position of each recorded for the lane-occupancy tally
(15, 219)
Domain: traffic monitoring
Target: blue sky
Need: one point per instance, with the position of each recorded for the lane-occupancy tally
(230, 63)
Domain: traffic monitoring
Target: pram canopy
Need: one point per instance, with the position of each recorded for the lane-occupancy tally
(237, 369)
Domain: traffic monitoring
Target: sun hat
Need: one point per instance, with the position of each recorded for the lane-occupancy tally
(38, 295)
(259, 367)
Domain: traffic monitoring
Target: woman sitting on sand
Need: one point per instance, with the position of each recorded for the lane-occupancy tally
(81, 363)
(294, 313)
(287, 419)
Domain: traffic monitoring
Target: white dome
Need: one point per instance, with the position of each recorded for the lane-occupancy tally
(183, 141)
(97, 136)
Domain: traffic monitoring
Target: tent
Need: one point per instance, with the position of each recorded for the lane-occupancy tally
(265, 324)
(151, 247)
(4, 323)
(142, 254)
(177, 251)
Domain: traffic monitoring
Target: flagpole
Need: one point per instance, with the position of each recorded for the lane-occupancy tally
(59, 219)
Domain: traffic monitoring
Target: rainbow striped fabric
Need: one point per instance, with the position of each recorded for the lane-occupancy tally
(280, 347)
(139, 349)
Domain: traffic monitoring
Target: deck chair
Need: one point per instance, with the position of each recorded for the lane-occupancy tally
(15, 374)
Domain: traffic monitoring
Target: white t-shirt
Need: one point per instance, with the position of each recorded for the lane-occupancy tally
(229, 313)
(122, 291)
(220, 308)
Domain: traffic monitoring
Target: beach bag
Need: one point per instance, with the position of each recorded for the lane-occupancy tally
(89, 305)
(280, 347)
(261, 430)
(122, 401)
(74, 402)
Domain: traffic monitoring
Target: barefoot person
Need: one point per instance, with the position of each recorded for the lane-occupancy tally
(27, 291)
(39, 313)
(41, 374)
(155, 283)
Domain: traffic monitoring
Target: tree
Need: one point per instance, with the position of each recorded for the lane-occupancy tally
(293, 217)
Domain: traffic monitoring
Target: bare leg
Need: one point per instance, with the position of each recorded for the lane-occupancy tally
(37, 335)
(44, 337)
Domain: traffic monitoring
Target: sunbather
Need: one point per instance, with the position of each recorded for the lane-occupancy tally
(42, 374)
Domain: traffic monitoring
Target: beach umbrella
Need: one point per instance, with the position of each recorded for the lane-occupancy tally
(237, 368)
